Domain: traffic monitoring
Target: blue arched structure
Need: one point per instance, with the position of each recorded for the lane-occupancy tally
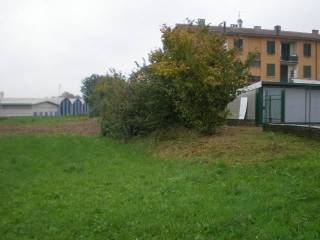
(65, 107)
(77, 108)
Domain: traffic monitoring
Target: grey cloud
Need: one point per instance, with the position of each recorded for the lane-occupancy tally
(47, 42)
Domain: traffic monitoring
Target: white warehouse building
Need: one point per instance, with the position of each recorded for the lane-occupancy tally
(22, 107)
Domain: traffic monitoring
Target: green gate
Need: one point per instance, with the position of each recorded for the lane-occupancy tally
(273, 108)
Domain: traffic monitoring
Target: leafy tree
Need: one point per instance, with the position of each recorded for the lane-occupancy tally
(88, 85)
(205, 75)
(87, 89)
(67, 95)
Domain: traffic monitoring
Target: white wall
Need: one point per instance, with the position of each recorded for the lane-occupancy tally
(302, 105)
(28, 110)
(15, 110)
(46, 109)
(314, 106)
(295, 105)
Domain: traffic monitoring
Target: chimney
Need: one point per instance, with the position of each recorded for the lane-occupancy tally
(240, 22)
(314, 31)
(1, 95)
(257, 27)
(277, 29)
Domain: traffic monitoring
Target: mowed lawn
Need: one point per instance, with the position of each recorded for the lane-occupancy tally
(241, 184)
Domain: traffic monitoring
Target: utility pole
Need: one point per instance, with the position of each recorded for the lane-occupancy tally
(1, 96)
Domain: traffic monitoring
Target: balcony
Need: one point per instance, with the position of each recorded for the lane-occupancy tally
(292, 59)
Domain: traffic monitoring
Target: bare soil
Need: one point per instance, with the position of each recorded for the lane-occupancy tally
(86, 127)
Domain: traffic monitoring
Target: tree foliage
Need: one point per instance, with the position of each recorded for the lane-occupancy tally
(67, 95)
(111, 98)
(205, 75)
(87, 90)
(189, 82)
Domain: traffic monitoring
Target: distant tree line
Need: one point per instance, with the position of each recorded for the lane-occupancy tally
(188, 82)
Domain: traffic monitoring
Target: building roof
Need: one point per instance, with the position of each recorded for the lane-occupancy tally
(72, 100)
(259, 32)
(34, 101)
(310, 85)
(294, 83)
(251, 87)
(20, 101)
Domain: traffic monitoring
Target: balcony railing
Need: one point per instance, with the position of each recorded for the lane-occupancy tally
(291, 59)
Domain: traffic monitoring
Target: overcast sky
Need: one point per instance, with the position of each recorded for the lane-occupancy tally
(44, 43)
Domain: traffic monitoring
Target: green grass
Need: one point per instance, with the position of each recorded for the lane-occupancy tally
(39, 120)
(70, 187)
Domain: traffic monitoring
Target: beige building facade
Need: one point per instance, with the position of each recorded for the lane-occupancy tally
(281, 55)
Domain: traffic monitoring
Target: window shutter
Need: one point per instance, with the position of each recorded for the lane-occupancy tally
(306, 71)
(271, 47)
(271, 70)
(307, 50)
(238, 43)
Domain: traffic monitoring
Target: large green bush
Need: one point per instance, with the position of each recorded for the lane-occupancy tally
(110, 100)
(136, 106)
(150, 102)
(188, 83)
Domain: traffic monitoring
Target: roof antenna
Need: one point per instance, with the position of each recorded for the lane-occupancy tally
(239, 21)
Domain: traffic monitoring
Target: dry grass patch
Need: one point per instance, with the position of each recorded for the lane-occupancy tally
(230, 144)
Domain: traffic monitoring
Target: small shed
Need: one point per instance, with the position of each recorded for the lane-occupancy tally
(296, 102)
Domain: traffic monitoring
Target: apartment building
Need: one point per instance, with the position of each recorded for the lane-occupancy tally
(281, 55)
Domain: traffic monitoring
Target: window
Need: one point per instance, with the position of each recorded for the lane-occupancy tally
(254, 78)
(271, 47)
(35, 114)
(271, 70)
(256, 63)
(306, 71)
(238, 43)
(307, 50)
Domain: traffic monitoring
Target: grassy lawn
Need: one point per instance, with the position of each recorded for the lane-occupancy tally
(240, 184)
(40, 120)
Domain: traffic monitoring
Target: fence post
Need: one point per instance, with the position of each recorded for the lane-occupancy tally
(283, 101)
